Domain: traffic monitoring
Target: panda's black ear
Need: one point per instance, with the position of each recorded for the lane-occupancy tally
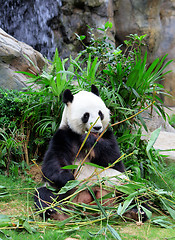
(94, 90)
(67, 96)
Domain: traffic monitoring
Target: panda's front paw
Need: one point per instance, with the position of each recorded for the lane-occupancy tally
(63, 178)
(90, 141)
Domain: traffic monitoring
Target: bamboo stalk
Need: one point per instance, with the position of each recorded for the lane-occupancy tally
(100, 136)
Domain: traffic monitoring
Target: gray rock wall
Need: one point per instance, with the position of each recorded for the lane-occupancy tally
(12, 58)
(157, 20)
(154, 18)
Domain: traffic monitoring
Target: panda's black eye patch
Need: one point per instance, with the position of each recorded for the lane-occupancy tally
(101, 115)
(85, 117)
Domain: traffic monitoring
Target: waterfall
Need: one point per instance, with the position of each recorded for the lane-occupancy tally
(27, 21)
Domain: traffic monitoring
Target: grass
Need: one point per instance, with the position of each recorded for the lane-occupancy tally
(131, 232)
(18, 204)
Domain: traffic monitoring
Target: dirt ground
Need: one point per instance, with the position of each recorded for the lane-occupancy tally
(35, 173)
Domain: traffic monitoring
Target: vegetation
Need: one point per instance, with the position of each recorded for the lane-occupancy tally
(128, 85)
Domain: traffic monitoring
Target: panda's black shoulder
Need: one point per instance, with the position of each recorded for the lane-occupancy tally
(64, 135)
(109, 134)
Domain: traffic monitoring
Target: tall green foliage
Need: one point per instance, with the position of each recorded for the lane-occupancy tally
(128, 83)
(131, 82)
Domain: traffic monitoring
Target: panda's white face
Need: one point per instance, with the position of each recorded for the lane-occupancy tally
(85, 110)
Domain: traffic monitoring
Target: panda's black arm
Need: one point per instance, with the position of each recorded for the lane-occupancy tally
(58, 155)
(106, 150)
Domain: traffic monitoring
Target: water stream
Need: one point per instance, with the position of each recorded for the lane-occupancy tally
(28, 21)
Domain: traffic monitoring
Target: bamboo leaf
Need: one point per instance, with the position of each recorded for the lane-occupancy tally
(5, 221)
(142, 122)
(70, 167)
(26, 73)
(129, 188)
(169, 209)
(31, 62)
(97, 202)
(93, 165)
(69, 186)
(5, 235)
(126, 203)
(88, 65)
(113, 232)
(148, 213)
(153, 139)
(161, 221)
(27, 226)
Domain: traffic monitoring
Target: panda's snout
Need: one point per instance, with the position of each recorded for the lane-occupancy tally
(97, 128)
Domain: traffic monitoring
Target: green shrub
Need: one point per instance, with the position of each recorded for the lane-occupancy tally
(20, 115)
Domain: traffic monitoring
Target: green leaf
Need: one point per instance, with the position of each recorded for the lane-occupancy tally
(113, 232)
(97, 202)
(69, 185)
(31, 62)
(26, 73)
(4, 235)
(153, 139)
(5, 221)
(148, 213)
(54, 190)
(82, 37)
(160, 221)
(93, 165)
(123, 208)
(70, 167)
(108, 25)
(27, 226)
(129, 188)
(170, 210)
(98, 233)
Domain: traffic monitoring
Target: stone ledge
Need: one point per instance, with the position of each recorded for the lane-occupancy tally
(12, 58)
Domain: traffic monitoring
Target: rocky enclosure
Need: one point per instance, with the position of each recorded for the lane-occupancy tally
(64, 18)
(13, 57)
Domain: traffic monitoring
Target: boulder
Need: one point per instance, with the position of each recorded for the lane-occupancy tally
(167, 46)
(62, 19)
(14, 56)
(154, 18)
(157, 20)
(166, 139)
(76, 16)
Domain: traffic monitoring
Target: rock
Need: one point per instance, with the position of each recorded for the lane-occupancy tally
(166, 139)
(167, 45)
(12, 58)
(157, 20)
(154, 18)
(76, 15)
(155, 121)
(141, 17)
(166, 143)
(58, 22)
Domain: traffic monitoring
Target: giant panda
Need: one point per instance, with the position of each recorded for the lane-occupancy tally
(83, 111)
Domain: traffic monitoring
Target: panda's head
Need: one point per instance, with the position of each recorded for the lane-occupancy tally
(84, 109)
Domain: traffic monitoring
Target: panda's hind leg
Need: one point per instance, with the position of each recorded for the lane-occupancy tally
(135, 214)
(83, 197)
(101, 193)
(43, 199)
